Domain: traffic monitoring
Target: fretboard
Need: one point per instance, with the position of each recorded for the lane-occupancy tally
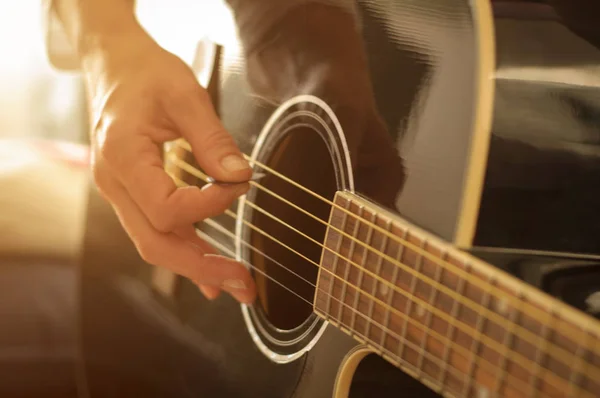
(458, 324)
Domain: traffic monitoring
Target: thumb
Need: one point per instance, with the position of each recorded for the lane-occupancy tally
(213, 147)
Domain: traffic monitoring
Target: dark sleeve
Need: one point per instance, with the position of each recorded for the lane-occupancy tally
(255, 18)
(581, 16)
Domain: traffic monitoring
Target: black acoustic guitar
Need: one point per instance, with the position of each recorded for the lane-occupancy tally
(449, 246)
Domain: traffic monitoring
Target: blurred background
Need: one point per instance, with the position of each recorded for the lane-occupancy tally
(35, 100)
(42, 209)
(44, 182)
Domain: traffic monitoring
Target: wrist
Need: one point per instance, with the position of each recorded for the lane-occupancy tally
(105, 40)
(97, 26)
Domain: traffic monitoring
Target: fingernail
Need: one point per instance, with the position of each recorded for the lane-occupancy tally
(233, 163)
(237, 284)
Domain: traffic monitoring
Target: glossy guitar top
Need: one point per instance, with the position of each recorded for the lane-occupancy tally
(475, 121)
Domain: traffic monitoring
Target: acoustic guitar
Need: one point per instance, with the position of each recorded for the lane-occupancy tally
(470, 269)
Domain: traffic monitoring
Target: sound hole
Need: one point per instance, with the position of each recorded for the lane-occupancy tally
(302, 156)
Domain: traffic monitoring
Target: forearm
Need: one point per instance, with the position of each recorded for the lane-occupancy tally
(90, 24)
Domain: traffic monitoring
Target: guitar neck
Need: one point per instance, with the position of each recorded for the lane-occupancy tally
(460, 325)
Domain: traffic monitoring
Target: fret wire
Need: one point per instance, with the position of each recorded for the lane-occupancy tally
(348, 267)
(552, 375)
(540, 353)
(398, 361)
(580, 353)
(361, 273)
(507, 343)
(456, 306)
(530, 336)
(384, 246)
(336, 258)
(334, 320)
(185, 166)
(477, 336)
(391, 292)
(411, 294)
(397, 358)
(429, 314)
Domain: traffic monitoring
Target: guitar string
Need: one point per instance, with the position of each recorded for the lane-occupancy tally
(535, 312)
(466, 328)
(539, 314)
(557, 379)
(466, 354)
(531, 337)
(394, 357)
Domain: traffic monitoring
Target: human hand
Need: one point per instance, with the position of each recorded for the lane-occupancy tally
(140, 97)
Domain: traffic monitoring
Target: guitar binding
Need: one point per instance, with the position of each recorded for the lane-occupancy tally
(284, 344)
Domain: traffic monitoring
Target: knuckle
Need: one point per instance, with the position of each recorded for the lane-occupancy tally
(185, 94)
(218, 138)
(219, 200)
(226, 200)
(224, 204)
(148, 251)
(161, 216)
(110, 142)
(219, 207)
(161, 219)
(157, 208)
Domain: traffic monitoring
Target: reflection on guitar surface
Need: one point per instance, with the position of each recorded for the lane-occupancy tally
(430, 168)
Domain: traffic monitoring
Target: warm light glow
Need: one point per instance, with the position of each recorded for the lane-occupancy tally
(15, 155)
(179, 24)
(21, 40)
(38, 101)
(35, 100)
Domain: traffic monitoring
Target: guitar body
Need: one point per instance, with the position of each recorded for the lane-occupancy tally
(136, 342)
(498, 162)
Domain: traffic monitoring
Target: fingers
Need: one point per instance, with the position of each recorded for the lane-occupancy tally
(214, 148)
(189, 233)
(164, 205)
(168, 207)
(210, 292)
(182, 256)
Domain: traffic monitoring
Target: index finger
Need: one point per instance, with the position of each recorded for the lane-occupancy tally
(165, 205)
(213, 147)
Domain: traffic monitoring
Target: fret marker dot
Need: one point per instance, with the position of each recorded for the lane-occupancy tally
(483, 392)
(502, 306)
(383, 289)
(420, 310)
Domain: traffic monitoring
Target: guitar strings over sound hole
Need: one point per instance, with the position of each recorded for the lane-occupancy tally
(303, 156)
(303, 142)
